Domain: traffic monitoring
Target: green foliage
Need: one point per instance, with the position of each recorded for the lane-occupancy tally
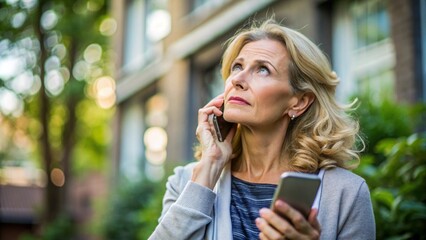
(133, 211)
(149, 215)
(384, 119)
(55, 53)
(62, 228)
(94, 137)
(394, 167)
(398, 187)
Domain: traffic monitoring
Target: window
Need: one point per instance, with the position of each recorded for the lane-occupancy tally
(363, 53)
(143, 138)
(155, 136)
(370, 22)
(147, 22)
(131, 147)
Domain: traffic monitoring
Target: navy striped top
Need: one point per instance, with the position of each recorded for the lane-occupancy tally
(246, 201)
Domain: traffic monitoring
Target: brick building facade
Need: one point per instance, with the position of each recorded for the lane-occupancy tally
(163, 77)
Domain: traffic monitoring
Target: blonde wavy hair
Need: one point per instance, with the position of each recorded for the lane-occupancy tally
(325, 135)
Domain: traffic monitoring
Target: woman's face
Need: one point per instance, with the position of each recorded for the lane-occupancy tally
(258, 92)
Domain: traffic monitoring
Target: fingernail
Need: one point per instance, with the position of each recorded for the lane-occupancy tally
(263, 211)
(316, 212)
(279, 203)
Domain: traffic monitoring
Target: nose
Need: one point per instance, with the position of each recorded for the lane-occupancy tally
(239, 80)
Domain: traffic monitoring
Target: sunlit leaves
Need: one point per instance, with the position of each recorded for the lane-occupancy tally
(103, 90)
(58, 118)
(49, 19)
(18, 19)
(93, 53)
(10, 103)
(73, 58)
(17, 61)
(94, 136)
(25, 84)
(19, 55)
(108, 27)
(60, 51)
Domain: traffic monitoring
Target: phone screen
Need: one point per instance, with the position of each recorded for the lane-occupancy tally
(298, 190)
(222, 127)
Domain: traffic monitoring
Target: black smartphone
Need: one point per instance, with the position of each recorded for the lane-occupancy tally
(221, 126)
(298, 190)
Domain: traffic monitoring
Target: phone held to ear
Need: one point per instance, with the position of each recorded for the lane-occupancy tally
(298, 190)
(221, 126)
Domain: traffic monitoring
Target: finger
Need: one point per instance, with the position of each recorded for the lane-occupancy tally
(274, 219)
(216, 101)
(262, 236)
(267, 231)
(204, 121)
(204, 113)
(313, 220)
(295, 217)
(210, 108)
(278, 223)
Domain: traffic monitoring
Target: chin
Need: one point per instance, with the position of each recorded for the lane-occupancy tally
(236, 114)
(233, 117)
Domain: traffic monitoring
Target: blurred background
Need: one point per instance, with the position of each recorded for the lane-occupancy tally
(99, 101)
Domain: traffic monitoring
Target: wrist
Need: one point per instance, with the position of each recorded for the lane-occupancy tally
(207, 173)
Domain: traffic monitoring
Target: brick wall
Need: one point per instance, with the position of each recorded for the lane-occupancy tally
(403, 28)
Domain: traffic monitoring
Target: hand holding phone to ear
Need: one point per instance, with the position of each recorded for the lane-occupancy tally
(221, 126)
(215, 154)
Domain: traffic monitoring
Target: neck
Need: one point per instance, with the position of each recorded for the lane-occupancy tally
(262, 159)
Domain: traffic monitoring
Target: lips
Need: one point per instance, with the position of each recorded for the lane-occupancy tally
(238, 100)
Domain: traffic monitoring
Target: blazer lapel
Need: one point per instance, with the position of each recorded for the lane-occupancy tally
(222, 228)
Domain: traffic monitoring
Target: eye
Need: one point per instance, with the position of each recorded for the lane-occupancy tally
(236, 67)
(263, 70)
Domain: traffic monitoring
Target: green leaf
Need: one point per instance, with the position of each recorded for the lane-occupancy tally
(420, 172)
(384, 196)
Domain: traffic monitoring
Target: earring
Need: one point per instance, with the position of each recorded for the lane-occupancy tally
(292, 117)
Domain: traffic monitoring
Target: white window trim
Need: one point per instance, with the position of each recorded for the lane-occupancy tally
(368, 60)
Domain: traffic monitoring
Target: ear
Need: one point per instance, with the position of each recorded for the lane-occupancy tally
(301, 105)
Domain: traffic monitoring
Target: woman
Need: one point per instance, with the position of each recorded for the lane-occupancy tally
(279, 91)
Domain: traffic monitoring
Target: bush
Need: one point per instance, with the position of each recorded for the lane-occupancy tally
(394, 166)
(62, 228)
(133, 211)
(385, 119)
(398, 187)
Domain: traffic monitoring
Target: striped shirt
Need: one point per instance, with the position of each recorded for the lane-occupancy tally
(246, 201)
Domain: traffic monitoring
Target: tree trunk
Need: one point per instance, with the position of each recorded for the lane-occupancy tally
(68, 135)
(52, 192)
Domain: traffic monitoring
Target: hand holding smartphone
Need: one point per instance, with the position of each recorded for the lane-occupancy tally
(298, 190)
(221, 126)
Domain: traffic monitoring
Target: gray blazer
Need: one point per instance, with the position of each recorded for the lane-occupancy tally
(191, 211)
